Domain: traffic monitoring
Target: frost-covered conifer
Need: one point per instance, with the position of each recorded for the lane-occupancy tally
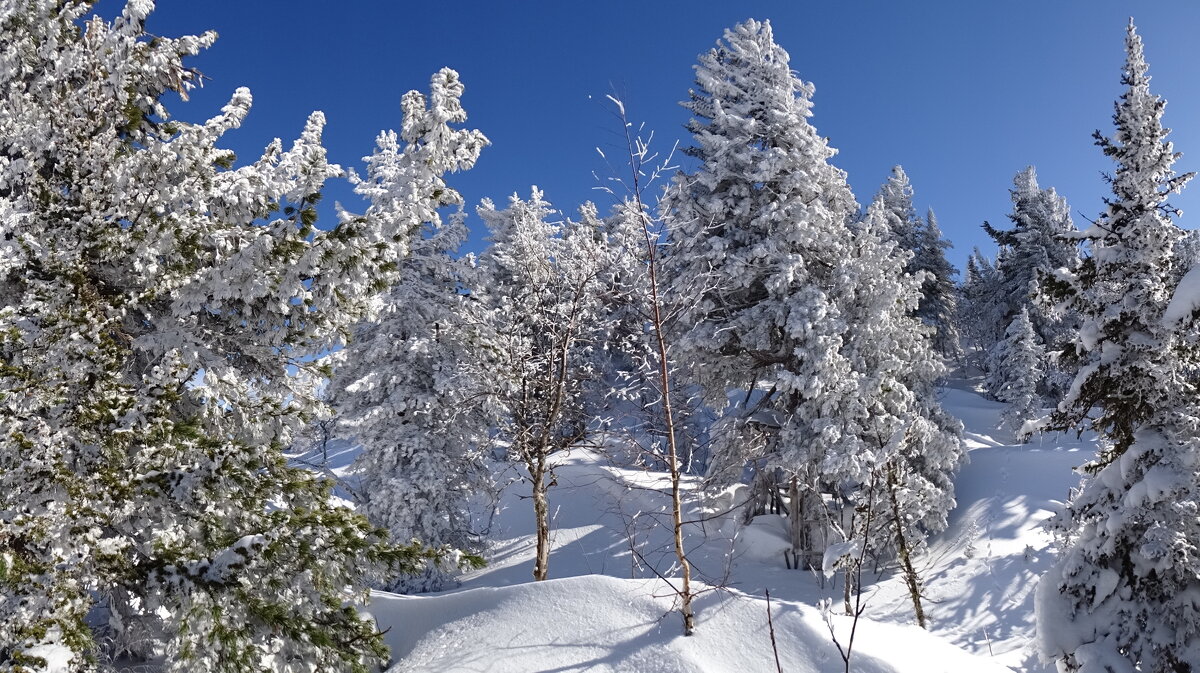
(757, 236)
(540, 311)
(896, 197)
(1015, 367)
(923, 239)
(939, 293)
(404, 395)
(1122, 595)
(1036, 247)
(160, 313)
(898, 449)
(979, 308)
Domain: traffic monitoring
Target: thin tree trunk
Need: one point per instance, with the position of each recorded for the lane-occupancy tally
(796, 521)
(664, 375)
(685, 592)
(910, 573)
(541, 512)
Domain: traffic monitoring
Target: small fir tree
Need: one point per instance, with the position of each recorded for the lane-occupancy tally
(1015, 369)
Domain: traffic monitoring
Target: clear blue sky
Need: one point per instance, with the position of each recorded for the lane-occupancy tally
(963, 94)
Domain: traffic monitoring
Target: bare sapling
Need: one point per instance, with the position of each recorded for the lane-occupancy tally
(638, 152)
(854, 577)
(771, 627)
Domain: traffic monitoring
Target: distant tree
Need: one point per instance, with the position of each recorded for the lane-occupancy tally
(758, 233)
(1121, 595)
(979, 308)
(939, 293)
(924, 240)
(1035, 248)
(160, 312)
(1015, 367)
(896, 198)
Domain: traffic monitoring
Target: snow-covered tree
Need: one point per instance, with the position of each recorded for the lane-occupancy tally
(896, 197)
(898, 450)
(1015, 367)
(923, 238)
(1035, 248)
(757, 235)
(979, 308)
(1121, 596)
(939, 294)
(159, 315)
(540, 296)
(404, 395)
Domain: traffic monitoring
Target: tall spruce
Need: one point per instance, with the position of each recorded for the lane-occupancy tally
(758, 233)
(160, 315)
(1121, 594)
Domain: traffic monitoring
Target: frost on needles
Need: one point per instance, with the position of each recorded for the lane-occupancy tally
(1123, 594)
(160, 311)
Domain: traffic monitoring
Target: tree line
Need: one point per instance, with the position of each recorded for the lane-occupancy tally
(172, 324)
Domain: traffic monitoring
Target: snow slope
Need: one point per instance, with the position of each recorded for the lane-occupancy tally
(609, 523)
(980, 575)
(599, 623)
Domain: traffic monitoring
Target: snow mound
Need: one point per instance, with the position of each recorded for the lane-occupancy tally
(598, 623)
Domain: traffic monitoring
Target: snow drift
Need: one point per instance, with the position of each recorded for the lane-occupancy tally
(598, 623)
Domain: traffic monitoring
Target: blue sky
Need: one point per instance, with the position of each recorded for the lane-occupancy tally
(963, 94)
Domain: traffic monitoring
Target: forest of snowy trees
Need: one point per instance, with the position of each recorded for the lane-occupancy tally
(176, 325)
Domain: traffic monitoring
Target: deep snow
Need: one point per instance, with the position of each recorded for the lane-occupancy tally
(610, 612)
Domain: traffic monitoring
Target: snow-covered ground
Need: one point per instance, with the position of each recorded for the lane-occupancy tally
(608, 611)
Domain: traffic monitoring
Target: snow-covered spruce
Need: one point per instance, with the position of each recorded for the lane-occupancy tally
(1015, 367)
(923, 238)
(802, 331)
(979, 309)
(159, 310)
(757, 236)
(898, 450)
(403, 394)
(1122, 595)
(399, 388)
(1035, 248)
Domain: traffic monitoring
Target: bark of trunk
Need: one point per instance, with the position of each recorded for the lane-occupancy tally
(902, 550)
(541, 511)
(796, 513)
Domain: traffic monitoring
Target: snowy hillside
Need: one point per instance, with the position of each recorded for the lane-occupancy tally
(599, 623)
(979, 578)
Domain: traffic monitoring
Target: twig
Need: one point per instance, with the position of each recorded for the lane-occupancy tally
(771, 628)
